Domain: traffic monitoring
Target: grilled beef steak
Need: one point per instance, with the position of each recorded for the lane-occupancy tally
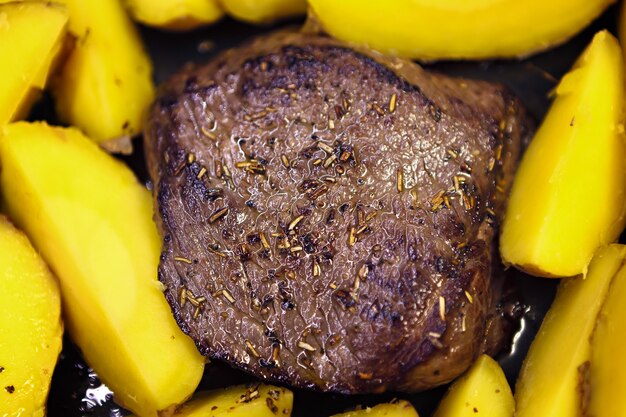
(328, 215)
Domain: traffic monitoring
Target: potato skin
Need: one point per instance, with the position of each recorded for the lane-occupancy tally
(622, 27)
(30, 41)
(31, 330)
(459, 29)
(607, 369)
(263, 11)
(92, 221)
(399, 408)
(255, 399)
(569, 194)
(105, 85)
(175, 15)
(548, 383)
(482, 391)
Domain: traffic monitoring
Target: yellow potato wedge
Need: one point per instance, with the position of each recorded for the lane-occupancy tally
(399, 408)
(92, 222)
(454, 29)
(105, 86)
(253, 400)
(622, 27)
(31, 331)
(548, 383)
(607, 371)
(31, 37)
(175, 14)
(482, 391)
(569, 194)
(264, 11)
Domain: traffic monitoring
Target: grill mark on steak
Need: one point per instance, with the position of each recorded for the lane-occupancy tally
(336, 212)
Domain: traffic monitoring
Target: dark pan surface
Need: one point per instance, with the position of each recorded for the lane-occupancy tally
(76, 390)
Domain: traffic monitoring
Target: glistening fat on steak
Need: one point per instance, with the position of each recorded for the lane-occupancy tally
(328, 214)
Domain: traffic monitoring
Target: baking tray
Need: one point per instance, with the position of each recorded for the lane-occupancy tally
(76, 390)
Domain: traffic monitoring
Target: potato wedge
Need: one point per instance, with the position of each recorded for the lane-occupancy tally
(31, 37)
(607, 370)
(482, 391)
(175, 14)
(569, 194)
(92, 221)
(454, 29)
(399, 408)
(621, 26)
(106, 84)
(31, 331)
(253, 400)
(548, 383)
(264, 11)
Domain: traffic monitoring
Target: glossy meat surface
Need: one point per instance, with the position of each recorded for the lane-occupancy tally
(329, 215)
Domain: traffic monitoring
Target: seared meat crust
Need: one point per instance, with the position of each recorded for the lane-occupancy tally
(329, 215)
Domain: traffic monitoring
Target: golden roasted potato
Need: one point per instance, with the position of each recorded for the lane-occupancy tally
(263, 11)
(482, 391)
(252, 400)
(548, 383)
(453, 29)
(607, 370)
(569, 194)
(106, 84)
(399, 408)
(175, 14)
(30, 325)
(31, 37)
(92, 221)
(622, 27)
